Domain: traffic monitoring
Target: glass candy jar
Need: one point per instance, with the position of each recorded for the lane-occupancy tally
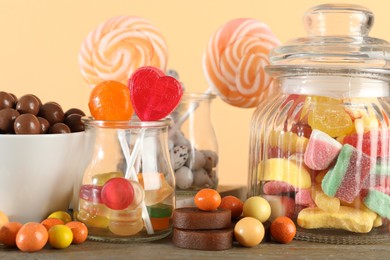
(193, 144)
(127, 191)
(319, 151)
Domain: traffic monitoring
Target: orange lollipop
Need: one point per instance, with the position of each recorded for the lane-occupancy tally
(234, 61)
(118, 47)
(110, 100)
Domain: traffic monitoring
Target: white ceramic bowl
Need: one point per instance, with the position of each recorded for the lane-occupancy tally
(37, 173)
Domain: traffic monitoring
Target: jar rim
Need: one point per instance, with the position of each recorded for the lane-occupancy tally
(198, 96)
(133, 123)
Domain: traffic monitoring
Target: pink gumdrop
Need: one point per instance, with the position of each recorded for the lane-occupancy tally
(303, 198)
(321, 150)
(90, 193)
(277, 187)
(117, 193)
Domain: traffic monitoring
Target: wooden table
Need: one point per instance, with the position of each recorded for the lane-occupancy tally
(164, 249)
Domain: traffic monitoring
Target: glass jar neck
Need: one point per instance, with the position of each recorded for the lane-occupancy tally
(335, 86)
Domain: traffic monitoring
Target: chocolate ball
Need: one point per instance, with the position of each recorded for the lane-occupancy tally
(44, 125)
(6, 100)
(52, 112)
(27, 124)
(28, 104)
(7, 119)
(59, 128)
(74, 122)
(74, 111)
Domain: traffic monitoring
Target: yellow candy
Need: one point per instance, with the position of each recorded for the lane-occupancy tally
(328, 115)
(92, 220)
(100, 179)
(280, 169)
(153, 197)
(126, 228)
(323, 201)
(377, 221)
(346, 218)
(358, 204)
(126, 215)
(64, 216)
(287, 141)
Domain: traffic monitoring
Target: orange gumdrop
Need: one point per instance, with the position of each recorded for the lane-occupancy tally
(110, 100)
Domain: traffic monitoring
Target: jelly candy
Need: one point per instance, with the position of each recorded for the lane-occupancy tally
(117, 193)
(125, 228)
(90, 193)
(368, 141)
(280, 206)
(129, 215)
(346, 218)
(157, 195)
(287, 141)
(303, 198)
(100, 179)
(323, 201)
(321, 150)
(378, 202)
(154, 95)
(328, 115)
(346, 179)
(278, 169)
(160, 215)
(110, 100)
(277, 187)
(92, 214)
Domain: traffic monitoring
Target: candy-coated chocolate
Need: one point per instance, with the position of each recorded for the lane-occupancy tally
(249, 232)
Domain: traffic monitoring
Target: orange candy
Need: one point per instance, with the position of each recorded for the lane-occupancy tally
(283, 229)
(3, 219)
(232, 203)
(50, 222)
(79, 230)
(8, 233)
(110, 100)
(32, 237)
(207, 199)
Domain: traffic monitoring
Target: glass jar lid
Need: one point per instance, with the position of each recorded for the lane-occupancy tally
(337, 43)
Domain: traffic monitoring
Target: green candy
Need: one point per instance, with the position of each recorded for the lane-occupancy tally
(160, 210)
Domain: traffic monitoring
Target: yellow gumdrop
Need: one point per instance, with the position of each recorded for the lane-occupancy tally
(323, 201)
(328, 115)
(280, 169)
(346, 218)
(100, 179)
(287, 141)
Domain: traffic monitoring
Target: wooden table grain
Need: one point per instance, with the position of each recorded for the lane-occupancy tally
(164, 249)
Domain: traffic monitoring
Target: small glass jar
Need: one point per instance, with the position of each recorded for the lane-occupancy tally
(319, 151)
(193, 144)
(127, 192)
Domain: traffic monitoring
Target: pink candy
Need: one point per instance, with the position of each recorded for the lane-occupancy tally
(277, 187)
(321, 150)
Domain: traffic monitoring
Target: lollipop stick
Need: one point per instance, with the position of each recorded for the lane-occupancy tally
(184, 117)
(130, 170)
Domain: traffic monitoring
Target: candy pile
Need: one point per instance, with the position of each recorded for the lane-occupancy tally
(57, 230)
(329, 167)
(27, 115)
(215, 223)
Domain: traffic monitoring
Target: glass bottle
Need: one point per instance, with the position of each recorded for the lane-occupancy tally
(127, 191)
(319, 151)
(193, 144)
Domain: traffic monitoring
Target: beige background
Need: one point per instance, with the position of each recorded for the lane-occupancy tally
(40, 41)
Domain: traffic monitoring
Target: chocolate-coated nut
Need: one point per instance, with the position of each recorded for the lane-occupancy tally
(7, 119)
(74, 122)
(52, 112)
(74, 111)
(59, 128)
(44, 125)
(28, 104)
(6, 100)
(27, 124)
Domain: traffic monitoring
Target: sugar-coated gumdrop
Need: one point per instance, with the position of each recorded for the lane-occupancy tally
(347, 218)
(277, 187)
(321, 150)
(323, 201)
(328, 115)
(110, 100)
(370, 143)
(154, 95)
(379, 202)
(117, 193)
(346, 179)
(303, 198)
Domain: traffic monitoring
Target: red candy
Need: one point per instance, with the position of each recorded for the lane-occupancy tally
(153, 94)
(117, 193)
(366, 143)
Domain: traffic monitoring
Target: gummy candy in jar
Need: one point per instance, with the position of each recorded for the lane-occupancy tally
(319, 150)
(193, 144)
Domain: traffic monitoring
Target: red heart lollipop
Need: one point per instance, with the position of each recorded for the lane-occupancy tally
(153, 94)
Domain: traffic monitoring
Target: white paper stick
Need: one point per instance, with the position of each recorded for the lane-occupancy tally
(130, 170)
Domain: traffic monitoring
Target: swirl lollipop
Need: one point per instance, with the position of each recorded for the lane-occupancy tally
(234, 61)
(118, 47)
